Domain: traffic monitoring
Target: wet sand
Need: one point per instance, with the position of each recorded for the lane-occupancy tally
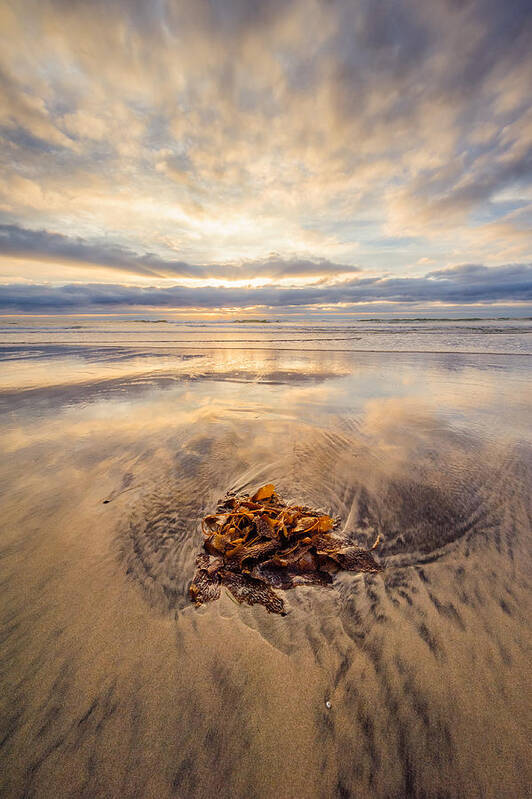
(114, 685)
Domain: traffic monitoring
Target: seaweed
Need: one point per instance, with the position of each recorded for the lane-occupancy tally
(255, 544)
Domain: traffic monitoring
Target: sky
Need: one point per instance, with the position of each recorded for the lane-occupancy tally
(276, 156)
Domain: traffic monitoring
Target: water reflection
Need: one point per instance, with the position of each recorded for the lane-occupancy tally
(116, 686)
(467, 389)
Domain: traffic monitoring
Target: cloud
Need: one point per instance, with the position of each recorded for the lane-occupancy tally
(42, 245)
(460, 285)
(478, 273)
(229, 129)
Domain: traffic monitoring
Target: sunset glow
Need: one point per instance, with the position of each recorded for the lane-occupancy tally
(279, 155)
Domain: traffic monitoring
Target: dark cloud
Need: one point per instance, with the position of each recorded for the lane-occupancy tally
(455, 58)
(408, 43)
(46, 246)
(462, 285)
(461, 189)
(478, 273)
(43, 245)
(25, 140)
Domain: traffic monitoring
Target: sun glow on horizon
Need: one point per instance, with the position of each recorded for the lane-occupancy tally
(288, 150)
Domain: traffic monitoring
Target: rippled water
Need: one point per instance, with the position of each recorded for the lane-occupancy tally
(409, 683)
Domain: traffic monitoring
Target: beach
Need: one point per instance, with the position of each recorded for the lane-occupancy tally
(118, 436)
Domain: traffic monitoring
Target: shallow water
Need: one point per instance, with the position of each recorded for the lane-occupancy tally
(113, 685)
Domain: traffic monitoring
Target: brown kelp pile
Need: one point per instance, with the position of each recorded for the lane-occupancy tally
(254, 544)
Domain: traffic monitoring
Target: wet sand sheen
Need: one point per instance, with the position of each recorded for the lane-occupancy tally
(115, 686)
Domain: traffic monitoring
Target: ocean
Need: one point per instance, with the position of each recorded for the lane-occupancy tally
(119, 435)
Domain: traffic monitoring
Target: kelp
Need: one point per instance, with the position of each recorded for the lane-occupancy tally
(255, 544)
